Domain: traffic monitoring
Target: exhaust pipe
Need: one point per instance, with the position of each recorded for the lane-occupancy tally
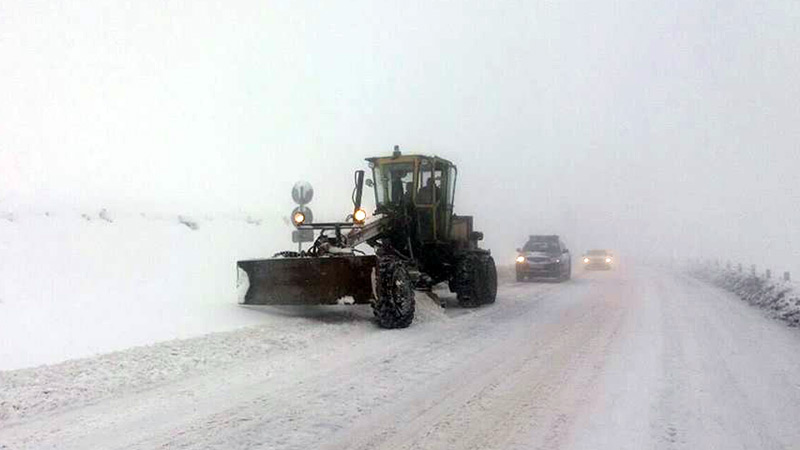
(359, 215)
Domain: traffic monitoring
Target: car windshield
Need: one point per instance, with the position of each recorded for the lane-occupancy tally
(541, 246)
(596, 252)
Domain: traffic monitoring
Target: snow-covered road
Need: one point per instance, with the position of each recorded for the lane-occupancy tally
(633, 359)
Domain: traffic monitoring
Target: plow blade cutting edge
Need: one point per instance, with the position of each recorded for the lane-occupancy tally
(306, 281)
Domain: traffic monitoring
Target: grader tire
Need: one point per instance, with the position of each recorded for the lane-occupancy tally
(489, 286)
(394, 303)
(477, 281)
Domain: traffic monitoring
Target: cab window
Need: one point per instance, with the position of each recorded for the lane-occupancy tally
(394, 182)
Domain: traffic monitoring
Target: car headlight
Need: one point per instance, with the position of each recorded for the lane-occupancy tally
(586, 260)
(557, 260)
(608, 260)
(520, 259)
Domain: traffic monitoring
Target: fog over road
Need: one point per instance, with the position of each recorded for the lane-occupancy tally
(634, 358)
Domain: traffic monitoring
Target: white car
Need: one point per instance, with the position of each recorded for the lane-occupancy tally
(598, 259)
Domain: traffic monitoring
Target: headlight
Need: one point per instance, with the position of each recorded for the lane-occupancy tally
(557, 260)
(520, 259)
(586, 260)
(359, 216)
(299, 218)
(608, 260)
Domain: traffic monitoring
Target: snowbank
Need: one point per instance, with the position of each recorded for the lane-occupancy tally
(73, 285)
(776, 296)
(284, 330)
(287, 331)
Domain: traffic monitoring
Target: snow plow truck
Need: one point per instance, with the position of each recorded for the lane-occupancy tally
(417, 239)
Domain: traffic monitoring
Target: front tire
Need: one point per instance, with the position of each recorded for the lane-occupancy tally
(394, 304)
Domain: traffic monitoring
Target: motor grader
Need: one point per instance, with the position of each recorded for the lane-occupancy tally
(417, 239)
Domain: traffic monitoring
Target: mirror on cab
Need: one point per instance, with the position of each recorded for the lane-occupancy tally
(369, 182)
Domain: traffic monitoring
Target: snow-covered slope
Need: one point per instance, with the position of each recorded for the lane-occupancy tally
(74, 284)
(776, 296)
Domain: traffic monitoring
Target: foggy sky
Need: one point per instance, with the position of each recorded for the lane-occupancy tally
(644, 126)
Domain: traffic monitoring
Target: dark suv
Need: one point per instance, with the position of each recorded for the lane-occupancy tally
(544, 257)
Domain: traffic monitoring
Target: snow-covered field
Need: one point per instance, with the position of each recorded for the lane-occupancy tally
(75, 284)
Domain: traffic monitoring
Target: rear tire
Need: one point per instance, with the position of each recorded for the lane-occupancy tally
(489, 289)
(394, 303)
(477, 280)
